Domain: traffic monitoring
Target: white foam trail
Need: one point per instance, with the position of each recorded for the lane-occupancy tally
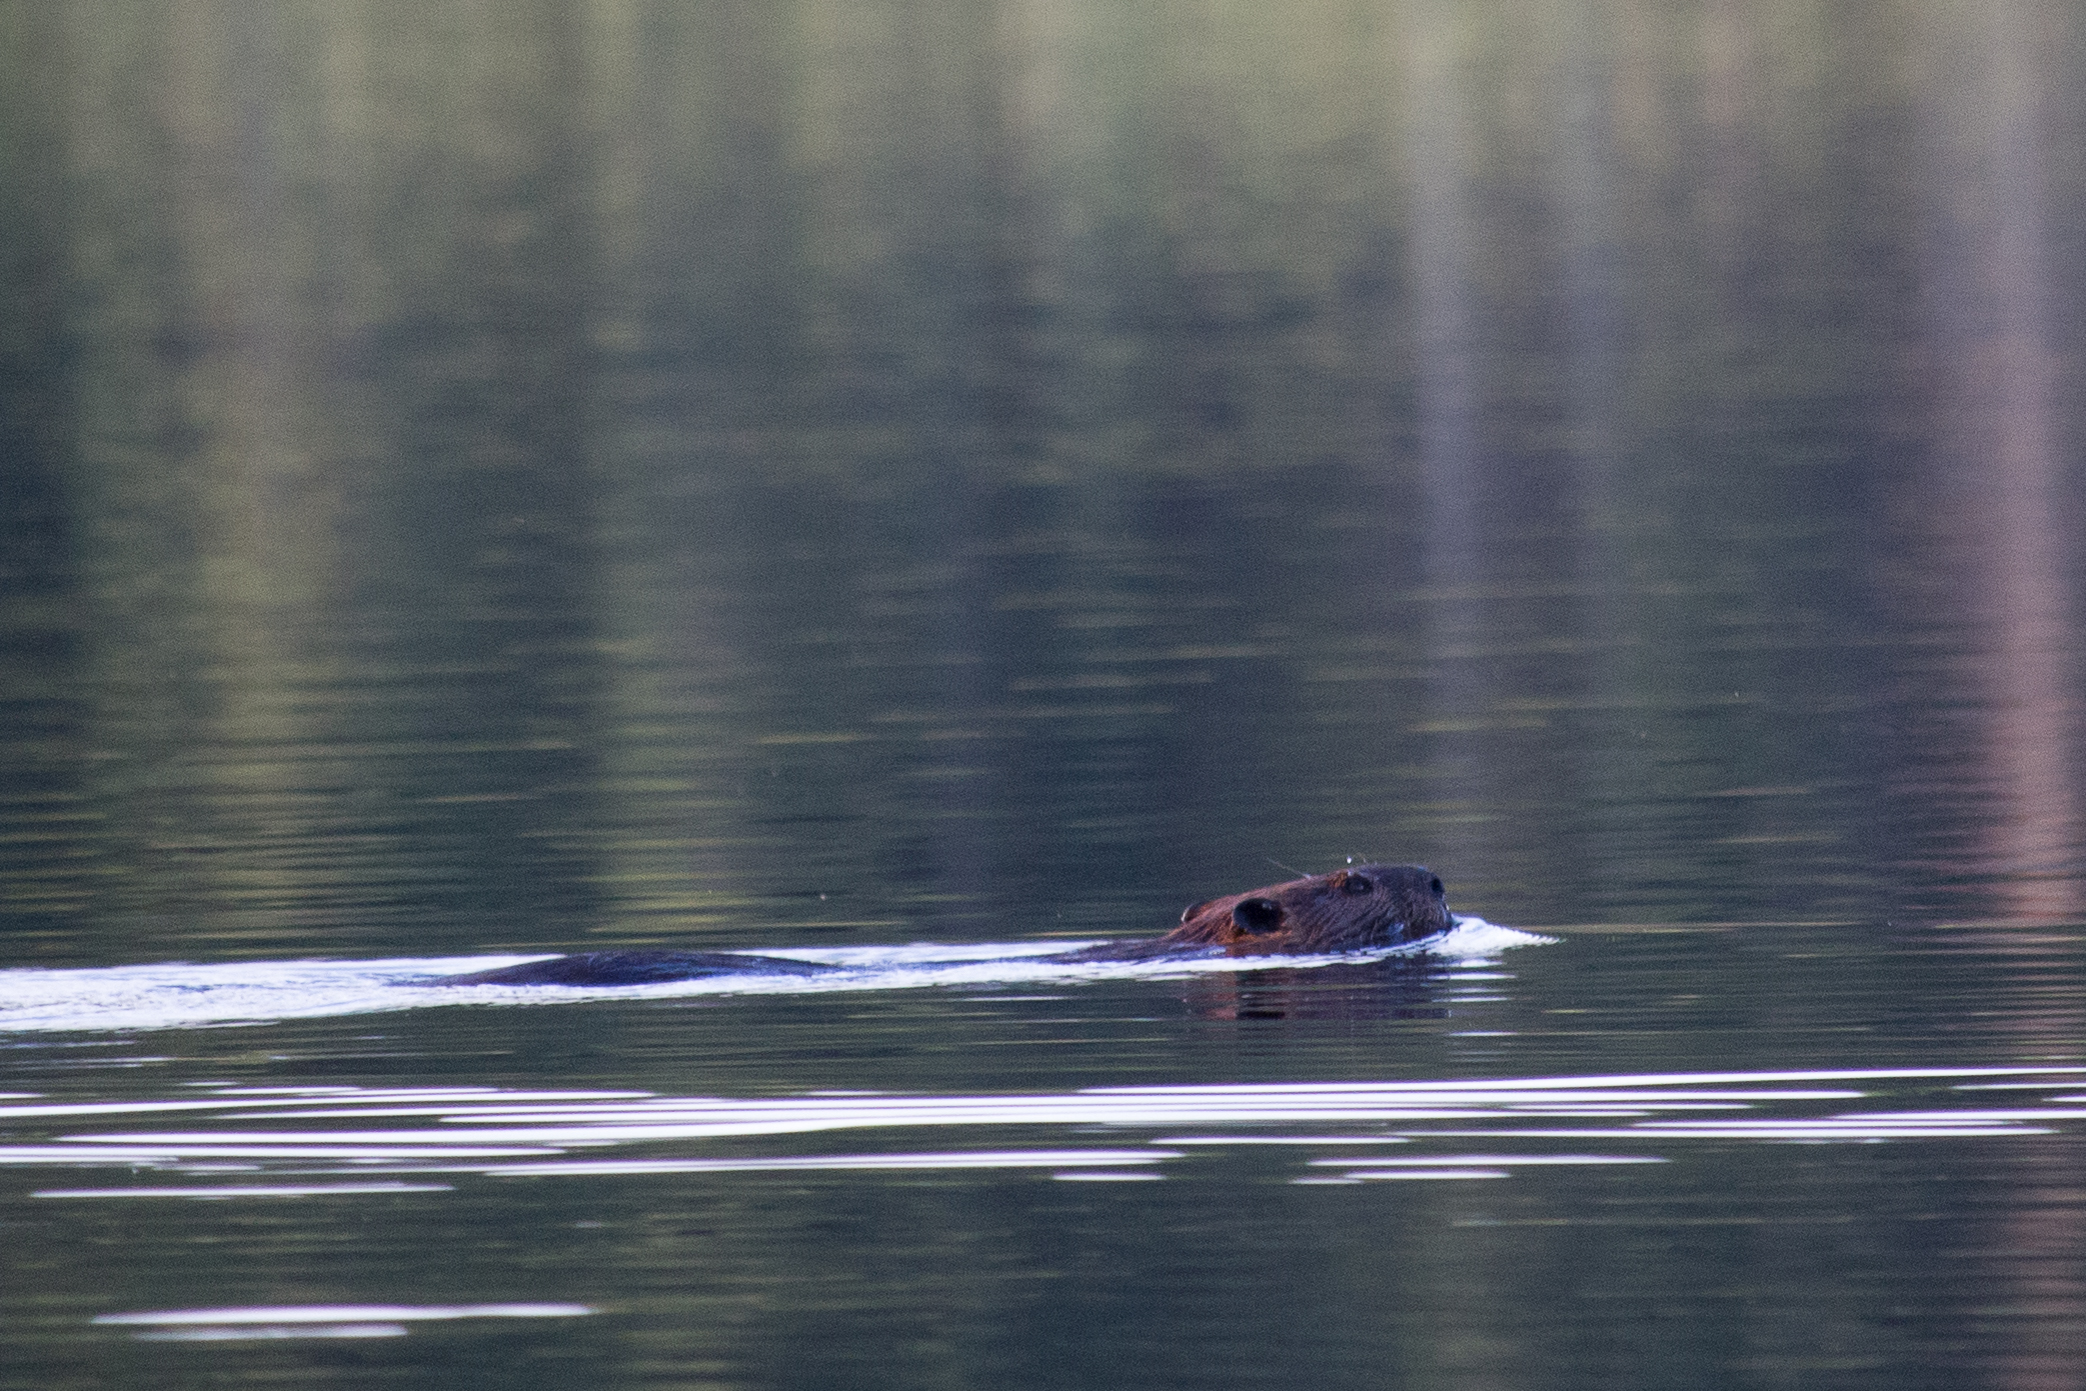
(180, 995)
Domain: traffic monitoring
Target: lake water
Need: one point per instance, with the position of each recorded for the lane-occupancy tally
(918, 486)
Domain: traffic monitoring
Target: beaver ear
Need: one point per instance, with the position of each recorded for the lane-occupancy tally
(1192, 909)
(1258, 916)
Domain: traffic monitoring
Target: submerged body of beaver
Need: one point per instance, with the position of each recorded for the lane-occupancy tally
(1358, 908)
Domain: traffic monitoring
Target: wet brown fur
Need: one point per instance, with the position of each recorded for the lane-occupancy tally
(1351, 909)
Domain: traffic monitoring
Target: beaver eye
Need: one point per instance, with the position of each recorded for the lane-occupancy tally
(1358, 884)
(1436, 884)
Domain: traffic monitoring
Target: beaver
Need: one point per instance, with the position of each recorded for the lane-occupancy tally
(1351, 909)
(1357, 908)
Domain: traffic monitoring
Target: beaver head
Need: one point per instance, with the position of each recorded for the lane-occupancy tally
(1351, 909)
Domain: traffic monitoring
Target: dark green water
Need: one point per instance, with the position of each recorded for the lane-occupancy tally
(835, 476)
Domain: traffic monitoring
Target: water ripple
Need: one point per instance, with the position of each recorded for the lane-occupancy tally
(285, 1137)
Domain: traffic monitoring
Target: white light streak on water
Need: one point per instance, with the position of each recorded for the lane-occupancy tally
(304, 1134)
(145, 1149)
(962, 1159)
(1358, 1162)
(1363, 1175)
(348, 1313)
(258, 1332)
(318, 1320)
(1284, 1140)
(285, 1190)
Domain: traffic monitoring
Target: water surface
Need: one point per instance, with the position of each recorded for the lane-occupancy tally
(885, 482)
